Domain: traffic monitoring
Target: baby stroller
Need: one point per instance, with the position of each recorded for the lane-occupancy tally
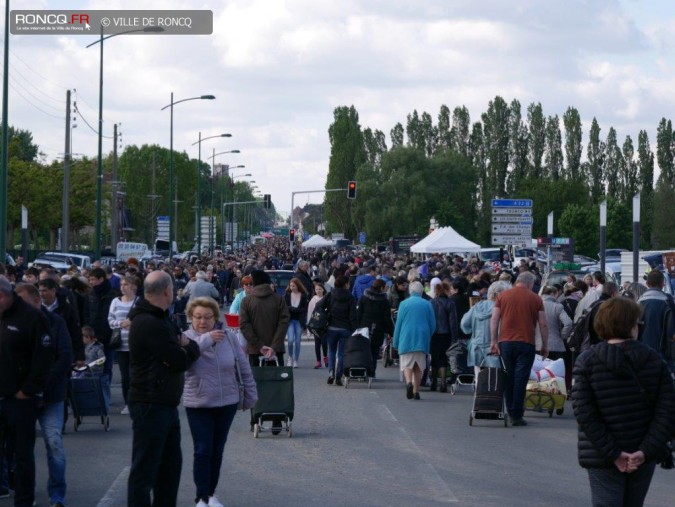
(389, 353)
(462, 375)
(358, 359)
(86, 394)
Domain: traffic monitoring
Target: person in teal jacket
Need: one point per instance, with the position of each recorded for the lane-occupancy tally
(415, 324)
(476, 322)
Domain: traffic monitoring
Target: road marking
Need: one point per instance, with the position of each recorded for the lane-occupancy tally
(384, 413)
(117, 492)
(436, 487)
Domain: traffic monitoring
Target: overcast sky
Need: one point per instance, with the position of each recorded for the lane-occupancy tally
(279, 68)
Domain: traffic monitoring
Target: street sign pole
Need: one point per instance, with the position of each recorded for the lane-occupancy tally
(511, 222)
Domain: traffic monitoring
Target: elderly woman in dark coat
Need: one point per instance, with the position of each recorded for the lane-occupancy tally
(624, 402)
(375, 314)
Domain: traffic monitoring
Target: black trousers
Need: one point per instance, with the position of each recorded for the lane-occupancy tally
(17, 423)
(156, 458)
(611, 488)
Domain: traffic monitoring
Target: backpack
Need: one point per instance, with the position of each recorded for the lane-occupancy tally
(580, 337)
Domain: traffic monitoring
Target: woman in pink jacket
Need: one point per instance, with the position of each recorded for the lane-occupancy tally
(211, 394)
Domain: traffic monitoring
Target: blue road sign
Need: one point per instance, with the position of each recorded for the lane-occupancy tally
(362, 238)
(511, 203)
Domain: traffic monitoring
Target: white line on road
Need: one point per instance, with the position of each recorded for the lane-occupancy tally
(117, 492)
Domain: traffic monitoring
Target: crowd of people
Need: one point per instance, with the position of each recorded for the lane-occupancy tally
(161, 323)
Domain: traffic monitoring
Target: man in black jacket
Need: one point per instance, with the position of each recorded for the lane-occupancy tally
(61, 306)
(26, 356)
(50, 411)
(158, 358)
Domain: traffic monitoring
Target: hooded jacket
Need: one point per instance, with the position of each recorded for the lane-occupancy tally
(657, 332)
(476, 323)
(362, 283)
(446, 316)
(263, 319)
(613, 412)
(374, 313)
(156, 359)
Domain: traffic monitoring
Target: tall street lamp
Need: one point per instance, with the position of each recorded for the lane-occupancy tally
(222, 183)
(199, 202)
(99, 180)
(172, 218)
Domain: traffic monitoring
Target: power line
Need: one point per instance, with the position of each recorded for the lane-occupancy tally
(77, 110)
(25, 89)
(30, 83)
(32, 104)
(35, 71)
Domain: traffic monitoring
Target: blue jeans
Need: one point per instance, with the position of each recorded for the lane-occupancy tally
(17, 420)
(518, 359)
(294, 334)
(336, 344)
(156, 457)
(50, 418)
(209, 428)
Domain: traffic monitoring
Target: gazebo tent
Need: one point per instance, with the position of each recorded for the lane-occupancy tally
(317, 241)
(444, 240)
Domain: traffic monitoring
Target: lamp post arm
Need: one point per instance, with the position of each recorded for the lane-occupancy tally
(202, 97)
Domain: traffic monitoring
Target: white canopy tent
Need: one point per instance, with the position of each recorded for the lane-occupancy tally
(444, 240)
(317, 241)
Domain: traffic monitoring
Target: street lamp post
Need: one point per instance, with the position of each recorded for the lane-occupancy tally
(199, 202)
(99, 179)
(213, 166)
(173, 229)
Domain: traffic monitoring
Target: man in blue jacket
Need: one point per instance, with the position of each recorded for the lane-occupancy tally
(658, 317)
(364, 281)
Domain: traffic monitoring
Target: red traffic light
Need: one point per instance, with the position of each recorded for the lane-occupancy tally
(351, 190)
(291, 234)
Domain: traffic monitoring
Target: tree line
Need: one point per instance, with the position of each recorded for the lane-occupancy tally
(450, 169)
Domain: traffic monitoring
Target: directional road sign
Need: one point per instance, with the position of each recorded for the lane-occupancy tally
(511, 203)
(512, 229)
(525, 212)
(501, 239)
(513, 219)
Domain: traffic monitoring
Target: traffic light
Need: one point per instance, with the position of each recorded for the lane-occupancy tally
(267, 201)
(351, 190)
(291, 235)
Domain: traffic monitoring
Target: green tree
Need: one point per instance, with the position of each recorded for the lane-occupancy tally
(581, 223)
(21, 146)
(664, 150)
(537, 137)
(461, 125)
(396, 135)
(444, 137)
(518, 139)
(496, 131)
(629, 171)
(553, 157)
(346, 155)
(415, 132)
(594, 167)
(646, 186)
(573, 146)
(612, 164)
(663, 232)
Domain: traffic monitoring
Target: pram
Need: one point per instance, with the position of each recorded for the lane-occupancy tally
(276, 402)
(389, 353)
(462, 375)
(357, 359)
(85, 395)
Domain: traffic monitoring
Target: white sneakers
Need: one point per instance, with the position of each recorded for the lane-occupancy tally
(289, 361)
(213, 502)
(125, 410)
(295, 364)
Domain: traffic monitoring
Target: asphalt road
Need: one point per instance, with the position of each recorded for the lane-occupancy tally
(358, 447)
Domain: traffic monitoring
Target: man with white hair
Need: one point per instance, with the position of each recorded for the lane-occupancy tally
(201, 288)
(512, 330)
(415, 324)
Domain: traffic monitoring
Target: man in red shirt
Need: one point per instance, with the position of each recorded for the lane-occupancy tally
(514, 319)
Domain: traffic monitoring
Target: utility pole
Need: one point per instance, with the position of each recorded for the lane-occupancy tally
(114, 218)
(65, 219)
(153, 197)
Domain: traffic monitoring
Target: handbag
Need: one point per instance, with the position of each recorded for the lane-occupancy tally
(665, 460)
(116, 335)
(237, 374)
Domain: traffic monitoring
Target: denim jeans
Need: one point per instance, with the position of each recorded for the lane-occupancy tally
(156, 458)
(50, 418)
(336, 344)
(123, 363)
(294, 334)
(518, 359)
(17, 420)
(209, 428)
(609, 487)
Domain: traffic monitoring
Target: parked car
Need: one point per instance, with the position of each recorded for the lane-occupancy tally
(582, 260)
(560, 277)
(81, 261)
(280, 279)
(613, 254)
